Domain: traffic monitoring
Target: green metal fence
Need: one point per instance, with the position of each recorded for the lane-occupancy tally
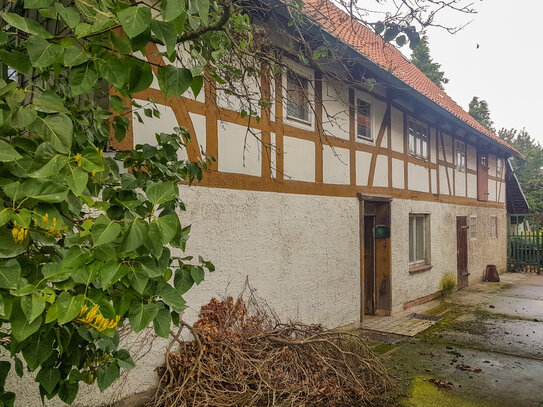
(524, 243)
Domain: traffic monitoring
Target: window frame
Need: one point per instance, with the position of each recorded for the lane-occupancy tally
(473, 227)
(309, 95)
(499, 167)
(424, 139)
(493, 227)
(370, 124)
(418, 264)
(460, 166)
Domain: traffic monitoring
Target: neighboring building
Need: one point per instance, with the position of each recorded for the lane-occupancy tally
(356, 199)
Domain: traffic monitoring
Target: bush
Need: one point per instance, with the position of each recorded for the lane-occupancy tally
(448, 283)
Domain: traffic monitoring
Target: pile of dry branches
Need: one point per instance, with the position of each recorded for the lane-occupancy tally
(242, 356)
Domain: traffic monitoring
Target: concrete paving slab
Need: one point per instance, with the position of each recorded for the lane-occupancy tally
(516, 307)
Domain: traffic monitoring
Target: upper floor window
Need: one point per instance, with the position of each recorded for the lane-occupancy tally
(418, 139)
(297, 97)
(363, 119)
(499, 167)
(460, 155)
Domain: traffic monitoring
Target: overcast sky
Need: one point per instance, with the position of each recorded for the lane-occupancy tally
(507, 68)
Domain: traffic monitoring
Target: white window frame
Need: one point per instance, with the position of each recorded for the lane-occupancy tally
(424, 139)
(473, 227)
(493, 227)
(412, 239)
(499, 167)
(308, 74)
(460, 155)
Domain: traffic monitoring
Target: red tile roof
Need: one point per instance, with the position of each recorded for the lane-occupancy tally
(372, 46)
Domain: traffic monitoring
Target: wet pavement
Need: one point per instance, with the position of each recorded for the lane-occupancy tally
(486, 349)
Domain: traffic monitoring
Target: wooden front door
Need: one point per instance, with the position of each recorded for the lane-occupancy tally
(369, 265)
(482, 177)
(462, 251)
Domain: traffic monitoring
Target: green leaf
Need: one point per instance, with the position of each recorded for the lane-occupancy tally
(70, 15)
(75, 257)
(140, 315)
(183, 281)
(165, 31)
(32, 306)
(17, 60)
(135, 235)
(52, 314)
(77, 180)
(23, 117)
(196, 85)
(162, 323)
(161, 192)
(19, 369)
(8, 247)
(83, 78)
(52, 168)
(203, 11)
(58, 129)
(68, 392)
(113, 70)
(124, 360)
(173, 81)
(135, 20)
(8, 153)
(10, 274)
(40, 189)
(168, 226)
(38, 350)
(107, 376)
(171, 297)
(25, 24)
(113, 272)
(171, 9)
(91, 160)
(154, 240)
(75, 56)
(140, 76)
(197, 274)
(49, 102)
(5, 214)
(20, 327)
(48, 377)
(69, 307)
(42, 53)
(379, 27)
(105, 233)
(138, 280)
(54, 272)
(37, 4)
(5, 367)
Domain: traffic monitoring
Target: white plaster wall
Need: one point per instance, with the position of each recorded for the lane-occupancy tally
(443, 183)
(199, 124)
(298, 159)
(433, 153)
(397, 173)
(145, 133)
(380, 178)
(492, 196)
(472, 186)
(335, 165)
(492, 165)
(335, 112)
(300, 252)
(363, 160)
(239, 150)
(397, 130)
(447, 145)
(482, 251)
(417, 178)
(501, 192)
(460, 183)
(434, 181)
(471, 159)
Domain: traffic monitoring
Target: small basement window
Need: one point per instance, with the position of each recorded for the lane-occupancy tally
(297, 97)
(419, 240)
(473, 227)
(363, 119)
(418, 139)
(460, 156)
(494, 227)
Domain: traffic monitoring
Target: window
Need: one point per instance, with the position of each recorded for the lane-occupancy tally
(419, 242)
(460, 156)
(363, 119)
(499, 169)
(473, 227)
(418, 139)
(494, 226)
(297, 97)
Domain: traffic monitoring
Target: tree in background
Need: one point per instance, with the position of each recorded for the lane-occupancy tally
(529, 171)
(421, 59)
(478, 109)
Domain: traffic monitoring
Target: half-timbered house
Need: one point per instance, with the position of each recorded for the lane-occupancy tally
(347, 197)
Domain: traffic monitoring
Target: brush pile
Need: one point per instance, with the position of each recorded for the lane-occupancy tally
(241, 355)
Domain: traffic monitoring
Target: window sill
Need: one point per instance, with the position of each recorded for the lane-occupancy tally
(416, 268)
(418, 157)
(299, 121)
(370, 139)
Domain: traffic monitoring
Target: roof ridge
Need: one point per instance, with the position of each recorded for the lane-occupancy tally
(356, 35)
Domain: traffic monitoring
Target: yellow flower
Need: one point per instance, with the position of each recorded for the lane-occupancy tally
(93, 318)
(78, 159)
(19, 234)
(45, 218)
